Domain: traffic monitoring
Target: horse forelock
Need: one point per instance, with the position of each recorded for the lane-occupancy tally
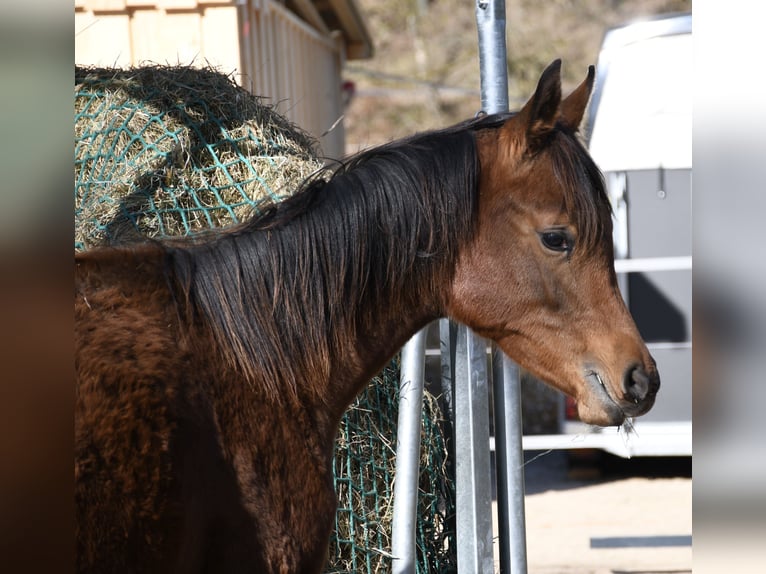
(582, 183)
(285, 294)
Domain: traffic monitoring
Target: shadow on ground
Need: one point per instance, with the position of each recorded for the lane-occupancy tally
(563, 470)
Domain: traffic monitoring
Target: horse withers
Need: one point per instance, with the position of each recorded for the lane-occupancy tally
(212, 372)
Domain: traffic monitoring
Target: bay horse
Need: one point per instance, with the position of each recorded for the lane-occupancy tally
(212, 372)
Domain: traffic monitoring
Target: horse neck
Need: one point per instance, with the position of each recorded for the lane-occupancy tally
(311, 305)
(367, 346)
(398, 220)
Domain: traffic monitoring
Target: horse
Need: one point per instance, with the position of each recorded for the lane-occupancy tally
(212, 371)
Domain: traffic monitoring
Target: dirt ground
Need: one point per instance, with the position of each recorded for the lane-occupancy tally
(597, 514)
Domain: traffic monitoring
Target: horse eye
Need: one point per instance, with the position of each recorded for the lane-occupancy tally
(555, 240)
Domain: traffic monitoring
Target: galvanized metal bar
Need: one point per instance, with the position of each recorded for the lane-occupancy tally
(408, 454)
(447, 339)
(490, 22)
(490, 19)
(509, 462)
(473, 485)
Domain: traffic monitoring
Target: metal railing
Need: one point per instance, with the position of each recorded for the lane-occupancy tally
(464, 366)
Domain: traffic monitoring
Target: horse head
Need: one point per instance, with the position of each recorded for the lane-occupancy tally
(538, 276)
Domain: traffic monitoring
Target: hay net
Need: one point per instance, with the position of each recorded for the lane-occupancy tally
(364, 464)
(169, 150)
(163, 151)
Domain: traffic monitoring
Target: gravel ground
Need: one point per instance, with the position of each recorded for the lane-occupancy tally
(603, 515)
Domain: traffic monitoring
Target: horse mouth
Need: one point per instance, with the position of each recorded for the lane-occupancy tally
(599, 408)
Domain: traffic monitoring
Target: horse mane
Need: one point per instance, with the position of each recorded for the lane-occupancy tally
(283, 292)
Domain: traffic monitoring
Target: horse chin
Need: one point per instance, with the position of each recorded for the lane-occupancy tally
(596, 407)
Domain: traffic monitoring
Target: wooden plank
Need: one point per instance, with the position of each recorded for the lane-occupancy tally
(102, 40)
(103, 5)
(310, 14)
(221, 38)
(146, 30)
(299, 70)
(286, 14)
(256, 70)
(162, 38)
(315, 83)
(271, 55)
(286, 71)
(177, 4)
(358, 43)
(262, 59)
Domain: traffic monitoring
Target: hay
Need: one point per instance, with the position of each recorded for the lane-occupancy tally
(169, 150)
(364, 465)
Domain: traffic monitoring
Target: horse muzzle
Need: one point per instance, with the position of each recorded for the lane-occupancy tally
(639, 390)
(601, 405)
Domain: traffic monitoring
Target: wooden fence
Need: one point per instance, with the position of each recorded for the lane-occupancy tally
(271, 51)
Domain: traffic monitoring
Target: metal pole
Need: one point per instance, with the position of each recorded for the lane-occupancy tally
(490, 20)
(447, 342)
(408, 454)
(472, 474)
(509, 460)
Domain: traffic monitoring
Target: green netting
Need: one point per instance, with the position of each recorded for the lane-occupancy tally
(364, 466)
(164, 151)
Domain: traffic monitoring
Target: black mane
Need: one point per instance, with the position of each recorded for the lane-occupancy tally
(284, 291)
(321, 261)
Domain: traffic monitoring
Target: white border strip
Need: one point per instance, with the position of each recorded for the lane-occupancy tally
(653, 264)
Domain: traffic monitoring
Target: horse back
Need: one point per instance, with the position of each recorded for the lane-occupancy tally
(170, 471)
(124, 361)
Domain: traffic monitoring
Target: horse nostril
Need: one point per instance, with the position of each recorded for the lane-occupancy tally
(637, 384)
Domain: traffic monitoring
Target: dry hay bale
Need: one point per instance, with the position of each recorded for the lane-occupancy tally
(365, 465)
(169, 150)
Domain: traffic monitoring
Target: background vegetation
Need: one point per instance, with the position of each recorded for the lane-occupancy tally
(425, 72)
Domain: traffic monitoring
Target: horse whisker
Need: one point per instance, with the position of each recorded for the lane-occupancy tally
(627, 427)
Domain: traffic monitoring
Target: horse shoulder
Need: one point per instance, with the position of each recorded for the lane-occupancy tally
(127, 362)
(281, 462)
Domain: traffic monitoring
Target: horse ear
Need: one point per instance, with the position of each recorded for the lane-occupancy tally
(573, 106)
(539, 114)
